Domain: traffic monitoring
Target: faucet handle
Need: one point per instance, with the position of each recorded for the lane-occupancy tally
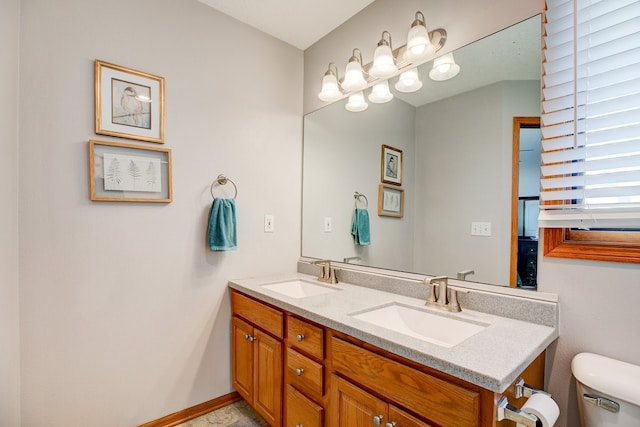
(333, 275)
(454, 305)
(432, 291)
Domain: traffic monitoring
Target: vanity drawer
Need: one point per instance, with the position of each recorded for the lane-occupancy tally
(428, 396)
(301, 411)
(305, 337)
(304, 373)
(261, 315)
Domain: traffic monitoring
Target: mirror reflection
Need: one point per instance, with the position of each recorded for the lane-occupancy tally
(454, 139)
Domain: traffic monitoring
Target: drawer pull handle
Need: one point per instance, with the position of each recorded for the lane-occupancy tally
(299, 337)
(299, 371)
(377, 420)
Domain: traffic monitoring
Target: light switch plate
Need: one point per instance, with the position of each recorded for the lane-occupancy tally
(269, 225)
(481, 229)
(327, 224)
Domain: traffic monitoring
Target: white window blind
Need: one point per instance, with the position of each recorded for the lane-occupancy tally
(590, 172)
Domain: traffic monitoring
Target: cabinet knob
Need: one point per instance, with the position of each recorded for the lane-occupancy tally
(249, 338)
(377, 420)
(299, 337)
(299, 425)
(391, 424)
(299, 371)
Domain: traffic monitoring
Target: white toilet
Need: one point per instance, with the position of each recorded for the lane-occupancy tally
(608, 391)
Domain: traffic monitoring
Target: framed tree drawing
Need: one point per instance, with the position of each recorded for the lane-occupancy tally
(129, 173)
(390, 201)
(391, 165)
(128, 103)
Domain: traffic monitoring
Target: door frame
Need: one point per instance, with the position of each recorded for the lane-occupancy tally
(518, 124)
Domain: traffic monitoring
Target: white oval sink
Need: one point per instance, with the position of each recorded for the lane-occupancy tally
(440, 329)
(299, 288)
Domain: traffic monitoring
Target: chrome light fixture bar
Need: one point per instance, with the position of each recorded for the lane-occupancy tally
(421, 47)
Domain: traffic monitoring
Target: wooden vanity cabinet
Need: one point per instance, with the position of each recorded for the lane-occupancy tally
(368, 385)
(304, 374)
(354, 407)
(295, 373)
(256, 362)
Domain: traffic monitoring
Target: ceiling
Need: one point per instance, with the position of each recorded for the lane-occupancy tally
(300, 23)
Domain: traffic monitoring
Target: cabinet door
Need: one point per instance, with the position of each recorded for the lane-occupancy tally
(267, 377)
(301, 411)
(399, 418)
(242, 358)
(353, 407)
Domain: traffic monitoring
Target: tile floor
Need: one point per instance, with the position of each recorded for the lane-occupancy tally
(238, 414)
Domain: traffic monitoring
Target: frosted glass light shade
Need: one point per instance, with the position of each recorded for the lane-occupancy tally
(356, 102)
(409, 81)
(330, 90)
(383, 63)
(380, 93)
(418, 42)
(354, 77)
(444, 68)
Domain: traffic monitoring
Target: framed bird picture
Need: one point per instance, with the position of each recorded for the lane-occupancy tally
(129, 103)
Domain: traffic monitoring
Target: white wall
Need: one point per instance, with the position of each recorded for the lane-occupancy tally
(464, 176)
(598, 314)
(113, 333)
(343, 151)
(9, 290)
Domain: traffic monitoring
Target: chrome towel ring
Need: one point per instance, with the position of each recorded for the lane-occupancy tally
(359, 196)
(223, 180)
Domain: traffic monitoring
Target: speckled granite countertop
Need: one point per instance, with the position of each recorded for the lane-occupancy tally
(491, 358)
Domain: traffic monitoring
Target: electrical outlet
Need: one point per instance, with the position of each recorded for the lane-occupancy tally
(481, 229)
(327, 224)
(269, 225)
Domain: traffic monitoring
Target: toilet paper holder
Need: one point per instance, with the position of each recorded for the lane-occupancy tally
(508, 412)
(525, 390)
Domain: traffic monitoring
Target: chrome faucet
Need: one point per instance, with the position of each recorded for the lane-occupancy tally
(443, 302)
(327, 273)
(462, 275)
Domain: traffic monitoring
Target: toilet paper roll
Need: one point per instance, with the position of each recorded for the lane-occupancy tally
(543, 407)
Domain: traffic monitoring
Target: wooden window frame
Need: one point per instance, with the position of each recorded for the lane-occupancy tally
(590, 245)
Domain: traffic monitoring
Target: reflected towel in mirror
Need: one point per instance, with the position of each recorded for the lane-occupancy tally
(221, 232)
(360, 227)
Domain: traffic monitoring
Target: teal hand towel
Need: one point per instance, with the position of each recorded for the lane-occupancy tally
(360, 227)
(221, 232)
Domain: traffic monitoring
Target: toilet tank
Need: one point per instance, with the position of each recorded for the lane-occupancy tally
(604, 385)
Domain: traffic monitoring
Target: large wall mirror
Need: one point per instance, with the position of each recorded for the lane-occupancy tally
(456, 138)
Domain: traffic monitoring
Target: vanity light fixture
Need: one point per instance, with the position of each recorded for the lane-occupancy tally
(384, 64)
(444, 68)
(387, 62)
(380, 93)
(330, 89)
(409, 81)
(356, 102)
(354, 75)
(418, 40)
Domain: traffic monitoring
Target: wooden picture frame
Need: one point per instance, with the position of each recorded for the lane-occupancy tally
(390, 201)
(128, 103)
(129, 173)
(391, 165)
